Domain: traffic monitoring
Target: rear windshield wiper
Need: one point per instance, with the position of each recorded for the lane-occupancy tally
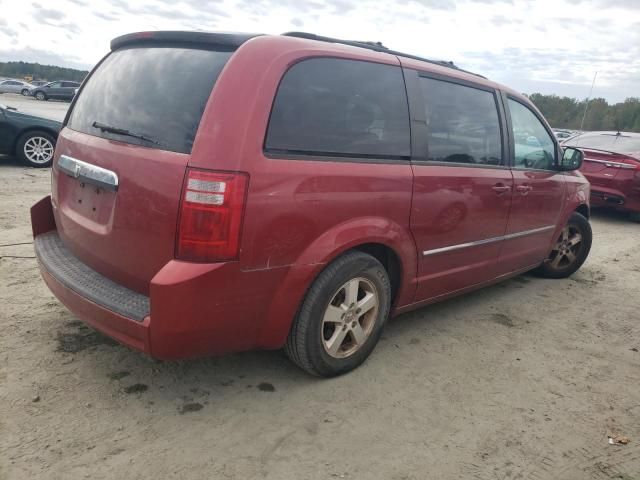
(123, 131)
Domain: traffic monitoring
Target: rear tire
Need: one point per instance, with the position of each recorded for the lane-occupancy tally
(25, 92)
(341, 317)
(570, 250)
(634, 216)
(36, 149)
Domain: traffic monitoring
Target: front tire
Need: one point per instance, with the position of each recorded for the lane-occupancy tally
(40, 96)
(341, 317)
(570, 250)
(36, 148)
(634, 217)
(25, 92)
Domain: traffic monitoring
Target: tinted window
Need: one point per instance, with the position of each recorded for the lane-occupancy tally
(55, 84)
(462, 122)
(157, 92)
(609, 142)
(534, 147)
(328, 106)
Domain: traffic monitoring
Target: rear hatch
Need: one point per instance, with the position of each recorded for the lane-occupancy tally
(120, 162)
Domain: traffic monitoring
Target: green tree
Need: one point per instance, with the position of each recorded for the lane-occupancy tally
(566, 112)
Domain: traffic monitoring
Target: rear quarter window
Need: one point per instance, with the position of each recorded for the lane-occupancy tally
(157, 92)
(338, 107)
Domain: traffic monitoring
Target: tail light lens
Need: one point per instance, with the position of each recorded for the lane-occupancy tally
(211, 216)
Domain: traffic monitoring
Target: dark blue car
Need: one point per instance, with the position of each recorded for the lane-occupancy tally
(32, 139)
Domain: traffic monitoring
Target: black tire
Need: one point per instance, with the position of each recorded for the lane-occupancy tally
(22, 155)
(634, 217)
(305, 344)
(41, 96)
(550, 269)
(25, 92)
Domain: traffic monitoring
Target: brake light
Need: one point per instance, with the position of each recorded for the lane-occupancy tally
(211, 216)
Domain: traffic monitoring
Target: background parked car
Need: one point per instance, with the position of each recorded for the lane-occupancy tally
(562, 134)
(59, 90)
(612, 166)
(32, 139)
(15, 86)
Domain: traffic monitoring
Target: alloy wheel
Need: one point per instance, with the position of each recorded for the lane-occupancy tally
(567, 248)
(350, 317)
(38, 149)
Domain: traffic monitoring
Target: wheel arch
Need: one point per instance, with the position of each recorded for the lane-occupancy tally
(583, 209)
(381, 238)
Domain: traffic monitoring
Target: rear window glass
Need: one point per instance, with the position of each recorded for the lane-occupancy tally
(158, 93)
(463, 123)
(328, 106)
(609, 142)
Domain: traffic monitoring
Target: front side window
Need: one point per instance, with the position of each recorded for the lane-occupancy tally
(55, 84)
(335, 107)
(534, 147)
(462, 122)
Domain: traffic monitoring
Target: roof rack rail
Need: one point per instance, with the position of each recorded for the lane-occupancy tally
(377, 47)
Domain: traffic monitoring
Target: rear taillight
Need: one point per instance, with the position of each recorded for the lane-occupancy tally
(211, 216)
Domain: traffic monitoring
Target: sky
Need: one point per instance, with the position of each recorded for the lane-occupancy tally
(545, 46)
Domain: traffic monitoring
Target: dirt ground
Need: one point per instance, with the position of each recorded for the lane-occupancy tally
(523, 380)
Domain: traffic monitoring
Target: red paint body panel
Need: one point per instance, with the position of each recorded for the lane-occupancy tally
(539, 204)
(131, 234)
(611, 185)
(452, 206)
(299, 215)
(129, 332)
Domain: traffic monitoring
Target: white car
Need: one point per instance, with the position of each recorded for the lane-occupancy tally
(15, 86)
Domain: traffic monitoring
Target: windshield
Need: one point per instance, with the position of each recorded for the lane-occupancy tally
(609, 142)
(158, 92)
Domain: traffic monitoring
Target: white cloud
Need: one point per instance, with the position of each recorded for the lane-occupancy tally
(551, 46)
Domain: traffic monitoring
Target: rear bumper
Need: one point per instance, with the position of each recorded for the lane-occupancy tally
(111, 308)
(192, 309)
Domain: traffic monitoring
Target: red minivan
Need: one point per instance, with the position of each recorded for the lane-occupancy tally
(216, 193)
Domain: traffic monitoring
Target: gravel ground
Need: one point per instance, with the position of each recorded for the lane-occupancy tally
(523, 380)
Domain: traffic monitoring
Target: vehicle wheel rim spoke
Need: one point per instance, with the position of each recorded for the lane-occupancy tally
(358, 335)
(351, 292)
(570, 256)
(336, 341)
(575, 239)
(555, 263)
(367, 303)
(350, 317)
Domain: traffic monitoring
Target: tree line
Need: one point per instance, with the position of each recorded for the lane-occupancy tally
(40, 72)
(565, 112)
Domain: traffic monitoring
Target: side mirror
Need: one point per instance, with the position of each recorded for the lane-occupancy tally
(571, 159)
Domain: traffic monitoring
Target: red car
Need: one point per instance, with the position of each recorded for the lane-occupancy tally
(612, 166)
(294, 190)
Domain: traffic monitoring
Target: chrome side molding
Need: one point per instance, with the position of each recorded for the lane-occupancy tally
(86, 172)
(487, 240)
(624, 166)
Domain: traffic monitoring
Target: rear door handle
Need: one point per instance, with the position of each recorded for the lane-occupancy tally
(524, 189)
(501, 188)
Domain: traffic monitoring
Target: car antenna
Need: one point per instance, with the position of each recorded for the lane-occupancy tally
(588, 98)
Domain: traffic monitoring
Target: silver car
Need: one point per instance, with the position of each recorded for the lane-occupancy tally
(15, 86)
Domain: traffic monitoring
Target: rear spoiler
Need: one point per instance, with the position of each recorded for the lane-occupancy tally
(228, 40)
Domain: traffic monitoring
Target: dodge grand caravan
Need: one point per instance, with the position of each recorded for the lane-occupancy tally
(216, 193)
